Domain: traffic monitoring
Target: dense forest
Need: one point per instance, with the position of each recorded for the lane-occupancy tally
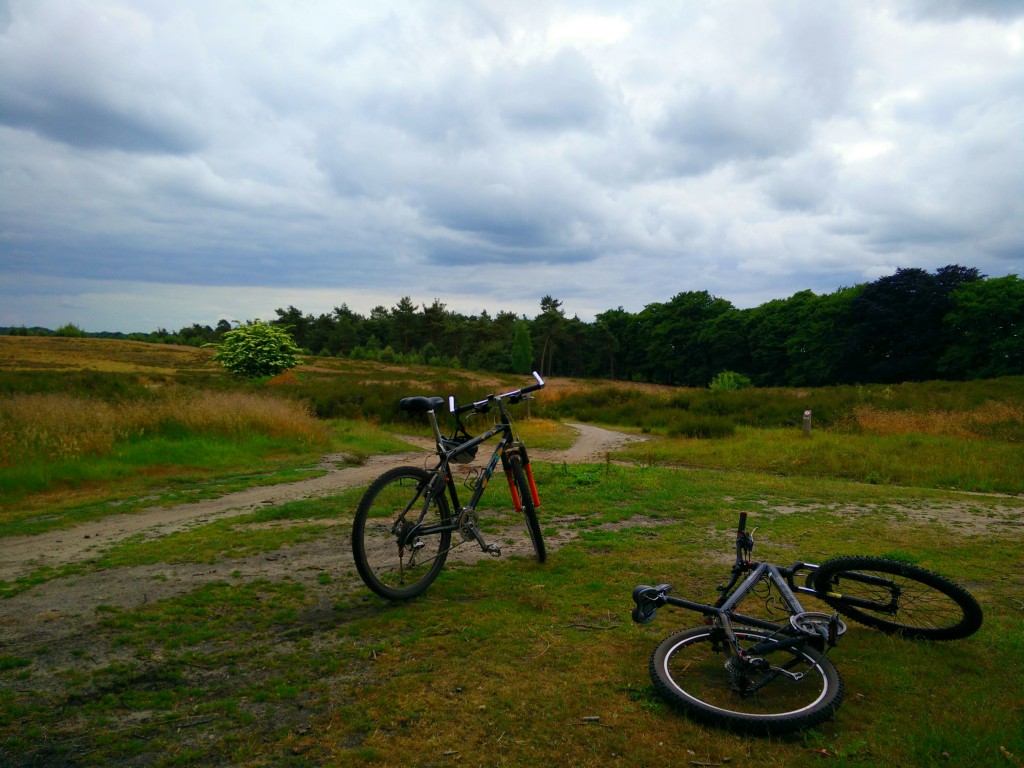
(910, 326)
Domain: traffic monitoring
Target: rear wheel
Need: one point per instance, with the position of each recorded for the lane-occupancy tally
(781, 687)
(898, 598)
(529, 510)
(393, 558)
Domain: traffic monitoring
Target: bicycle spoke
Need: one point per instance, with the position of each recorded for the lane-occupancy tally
(787, 687)
(391, 570)
(907, 600)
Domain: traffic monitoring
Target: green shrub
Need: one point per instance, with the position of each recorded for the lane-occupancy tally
(727, 381)
(69, 331)
(257, 349)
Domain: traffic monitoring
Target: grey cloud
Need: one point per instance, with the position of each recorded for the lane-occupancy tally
(537, 215)
(451, 116)
(750, 148)
(360, 159)
(497, 223)
(457, 255)
(951, 10)
(816, 48)
(710, 127)
(79, 121)
(961, 101)
(486, 196)
(806, 183)
(562, 94)
(803, 75)
(97, 82)
(956, 193)
(900, 228)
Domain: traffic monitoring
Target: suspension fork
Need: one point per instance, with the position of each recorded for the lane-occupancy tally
(524, 461)
(528, 469)
(510, 477)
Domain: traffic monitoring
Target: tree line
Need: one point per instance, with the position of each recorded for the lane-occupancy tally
(914, 325)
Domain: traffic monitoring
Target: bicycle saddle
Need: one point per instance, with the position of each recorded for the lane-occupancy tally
(420, 404)
(648, 600)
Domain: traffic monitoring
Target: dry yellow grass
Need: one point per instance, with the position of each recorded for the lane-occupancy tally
(557, 388)
(960, 424)
(34, 353)
(65, 426)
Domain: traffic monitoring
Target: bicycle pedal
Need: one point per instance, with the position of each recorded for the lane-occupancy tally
(493, 549)
(834, 630)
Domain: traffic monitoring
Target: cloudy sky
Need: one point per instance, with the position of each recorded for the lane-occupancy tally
(164, 163)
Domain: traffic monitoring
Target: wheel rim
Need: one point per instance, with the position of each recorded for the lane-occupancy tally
(698, 671)
(922, 607)
(392, 567)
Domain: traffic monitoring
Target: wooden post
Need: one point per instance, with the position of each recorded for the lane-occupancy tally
(807, 423)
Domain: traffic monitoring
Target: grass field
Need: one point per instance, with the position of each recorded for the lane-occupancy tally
(250, 641)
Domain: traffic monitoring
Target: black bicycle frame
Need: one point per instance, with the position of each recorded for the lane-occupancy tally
(485, 475)
(444, 471)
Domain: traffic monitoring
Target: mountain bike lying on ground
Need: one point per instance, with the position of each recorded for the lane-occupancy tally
(759, 676)
(405, 522)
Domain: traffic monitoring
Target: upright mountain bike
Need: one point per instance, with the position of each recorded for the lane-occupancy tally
(772, 676)
(409, 517)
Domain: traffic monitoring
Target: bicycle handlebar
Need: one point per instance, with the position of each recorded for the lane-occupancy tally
(483, 405)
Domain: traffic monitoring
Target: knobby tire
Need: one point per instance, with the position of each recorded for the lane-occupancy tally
(390, 572)
(928, 606)
(529, 510)
(691, 669)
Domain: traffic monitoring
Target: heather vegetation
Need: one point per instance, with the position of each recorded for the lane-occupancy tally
(249, 640)
(964, 435)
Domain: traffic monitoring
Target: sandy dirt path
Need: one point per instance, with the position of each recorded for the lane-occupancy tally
(60, 615)
(20, 555)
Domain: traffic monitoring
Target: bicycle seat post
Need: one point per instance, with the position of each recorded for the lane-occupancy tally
(437, 429)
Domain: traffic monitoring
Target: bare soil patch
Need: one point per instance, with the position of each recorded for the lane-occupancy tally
(58, 624)
(52, 613)
(962, 516)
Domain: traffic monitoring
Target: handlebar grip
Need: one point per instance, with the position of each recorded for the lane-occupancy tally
(532, 388)
(743, 522)
(483, 405)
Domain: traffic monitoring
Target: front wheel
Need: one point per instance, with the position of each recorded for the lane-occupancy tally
(897, 598)
(397, 554)
(529, 510)
(784, 685)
